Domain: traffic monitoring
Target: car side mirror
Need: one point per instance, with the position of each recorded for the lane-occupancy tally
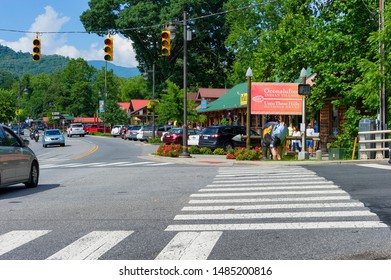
(26, 142)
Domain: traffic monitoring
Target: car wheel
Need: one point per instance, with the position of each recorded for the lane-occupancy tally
(228, 146)
(44, 146)
(34, 176)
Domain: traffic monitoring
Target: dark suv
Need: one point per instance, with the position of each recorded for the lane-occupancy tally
(223, 136)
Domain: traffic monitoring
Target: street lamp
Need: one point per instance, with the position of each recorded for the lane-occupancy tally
(249, 74)
(153, 97)
(25, 91)
(303, 154)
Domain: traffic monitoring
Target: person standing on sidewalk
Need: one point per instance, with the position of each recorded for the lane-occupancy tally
(279, 133)
(296, 143)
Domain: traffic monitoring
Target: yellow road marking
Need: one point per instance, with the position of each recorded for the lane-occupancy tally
(93, 150)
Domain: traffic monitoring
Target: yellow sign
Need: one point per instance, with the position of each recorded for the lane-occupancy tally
(243, 99)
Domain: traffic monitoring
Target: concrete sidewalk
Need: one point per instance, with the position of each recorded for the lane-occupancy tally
(221, 160)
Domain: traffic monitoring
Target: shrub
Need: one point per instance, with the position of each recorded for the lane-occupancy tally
(194, 150)
(205, 151)
(155, 140)
(169, 150)
(219, 151)
(245, 154)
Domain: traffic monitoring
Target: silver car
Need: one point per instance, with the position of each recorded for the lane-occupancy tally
(18, 163)
(53, 137)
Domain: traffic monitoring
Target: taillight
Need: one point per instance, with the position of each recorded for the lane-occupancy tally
(215, 136)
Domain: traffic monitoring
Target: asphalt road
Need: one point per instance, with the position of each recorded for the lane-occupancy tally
(101, 190)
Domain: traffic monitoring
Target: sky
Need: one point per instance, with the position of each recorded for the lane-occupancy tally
(31, 16)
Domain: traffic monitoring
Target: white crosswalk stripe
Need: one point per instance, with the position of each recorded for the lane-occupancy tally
(91, 246)
(375, 165)
(13, 239)
(272, 198)
(190, 246)
(102, 164)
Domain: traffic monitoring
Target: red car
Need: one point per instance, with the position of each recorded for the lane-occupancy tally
(175, 135)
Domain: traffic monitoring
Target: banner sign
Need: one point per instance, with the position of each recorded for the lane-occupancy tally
(275, 99)
(101, 106)
(204, 103)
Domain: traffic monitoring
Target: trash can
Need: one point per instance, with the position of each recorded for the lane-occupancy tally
(368, 125)
(336, 153)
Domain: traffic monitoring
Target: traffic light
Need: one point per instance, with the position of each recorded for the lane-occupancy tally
(166, 50)
(36, 49)
(109, 47)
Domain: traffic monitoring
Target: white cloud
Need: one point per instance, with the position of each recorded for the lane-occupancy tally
(50, 23)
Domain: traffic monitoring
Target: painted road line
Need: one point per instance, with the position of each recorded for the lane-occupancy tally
(190, 246)
(268, 193)
(261, 175)
(91, 246)
(278, 226)
(278, 199)
(137, 163)
(284, 215)
(14, 239)
(266, 183)
(374, 165)
(272, 206)
(111, 163)
(298, 187)
(93, 150)
(257, 178)
(160, 164)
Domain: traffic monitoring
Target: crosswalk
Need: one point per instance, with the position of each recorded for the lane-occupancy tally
(375, 165)
(238, 199)
(272, 198)
(52, 165)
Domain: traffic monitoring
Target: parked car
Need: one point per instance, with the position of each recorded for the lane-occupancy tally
(160, 129)
(131, 134)
(193, 139)
(75, 129)
(53, 137)
(223, 136)
(18, 163)
(175, 135)
(124, 130)
(144, 132)
(116, 130)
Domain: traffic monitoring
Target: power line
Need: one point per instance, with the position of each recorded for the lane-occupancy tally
(135, 28)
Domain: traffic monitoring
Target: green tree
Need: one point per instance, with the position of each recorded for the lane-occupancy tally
(170, 108)
(134, 88)
(8, 106)
(114, 114)
(142, 21)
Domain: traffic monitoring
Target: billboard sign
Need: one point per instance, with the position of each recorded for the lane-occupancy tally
(275, 99)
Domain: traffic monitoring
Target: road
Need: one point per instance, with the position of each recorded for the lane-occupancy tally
(98, 199)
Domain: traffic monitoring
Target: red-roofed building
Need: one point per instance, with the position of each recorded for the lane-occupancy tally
(138, 111)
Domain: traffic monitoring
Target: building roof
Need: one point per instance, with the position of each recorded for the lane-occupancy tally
(210, 93)
(137, 104)
(124, 105)
(230, 100)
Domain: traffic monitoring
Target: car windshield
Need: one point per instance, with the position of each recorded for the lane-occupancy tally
(210, 130)
(136, 127)
(52, 132)
(77, 125)
(176, 130)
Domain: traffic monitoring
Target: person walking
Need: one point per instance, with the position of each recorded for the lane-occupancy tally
(279, 133)
(309, 142)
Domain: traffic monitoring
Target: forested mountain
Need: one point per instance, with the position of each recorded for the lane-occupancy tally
(20, 63)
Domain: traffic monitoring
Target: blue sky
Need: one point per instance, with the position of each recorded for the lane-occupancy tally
(57, 16)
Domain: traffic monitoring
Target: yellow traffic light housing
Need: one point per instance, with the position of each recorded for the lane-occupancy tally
(166, 44)
(109, 47)
(36, 49)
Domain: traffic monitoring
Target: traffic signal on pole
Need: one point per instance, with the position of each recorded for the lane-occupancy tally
(166, 48)
(36, 49)
(109, 47)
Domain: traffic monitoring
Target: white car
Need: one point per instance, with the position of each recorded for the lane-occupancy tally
(192, 140)
(75, 129)
(116, 130)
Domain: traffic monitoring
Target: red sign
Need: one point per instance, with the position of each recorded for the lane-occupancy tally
(275, 99)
